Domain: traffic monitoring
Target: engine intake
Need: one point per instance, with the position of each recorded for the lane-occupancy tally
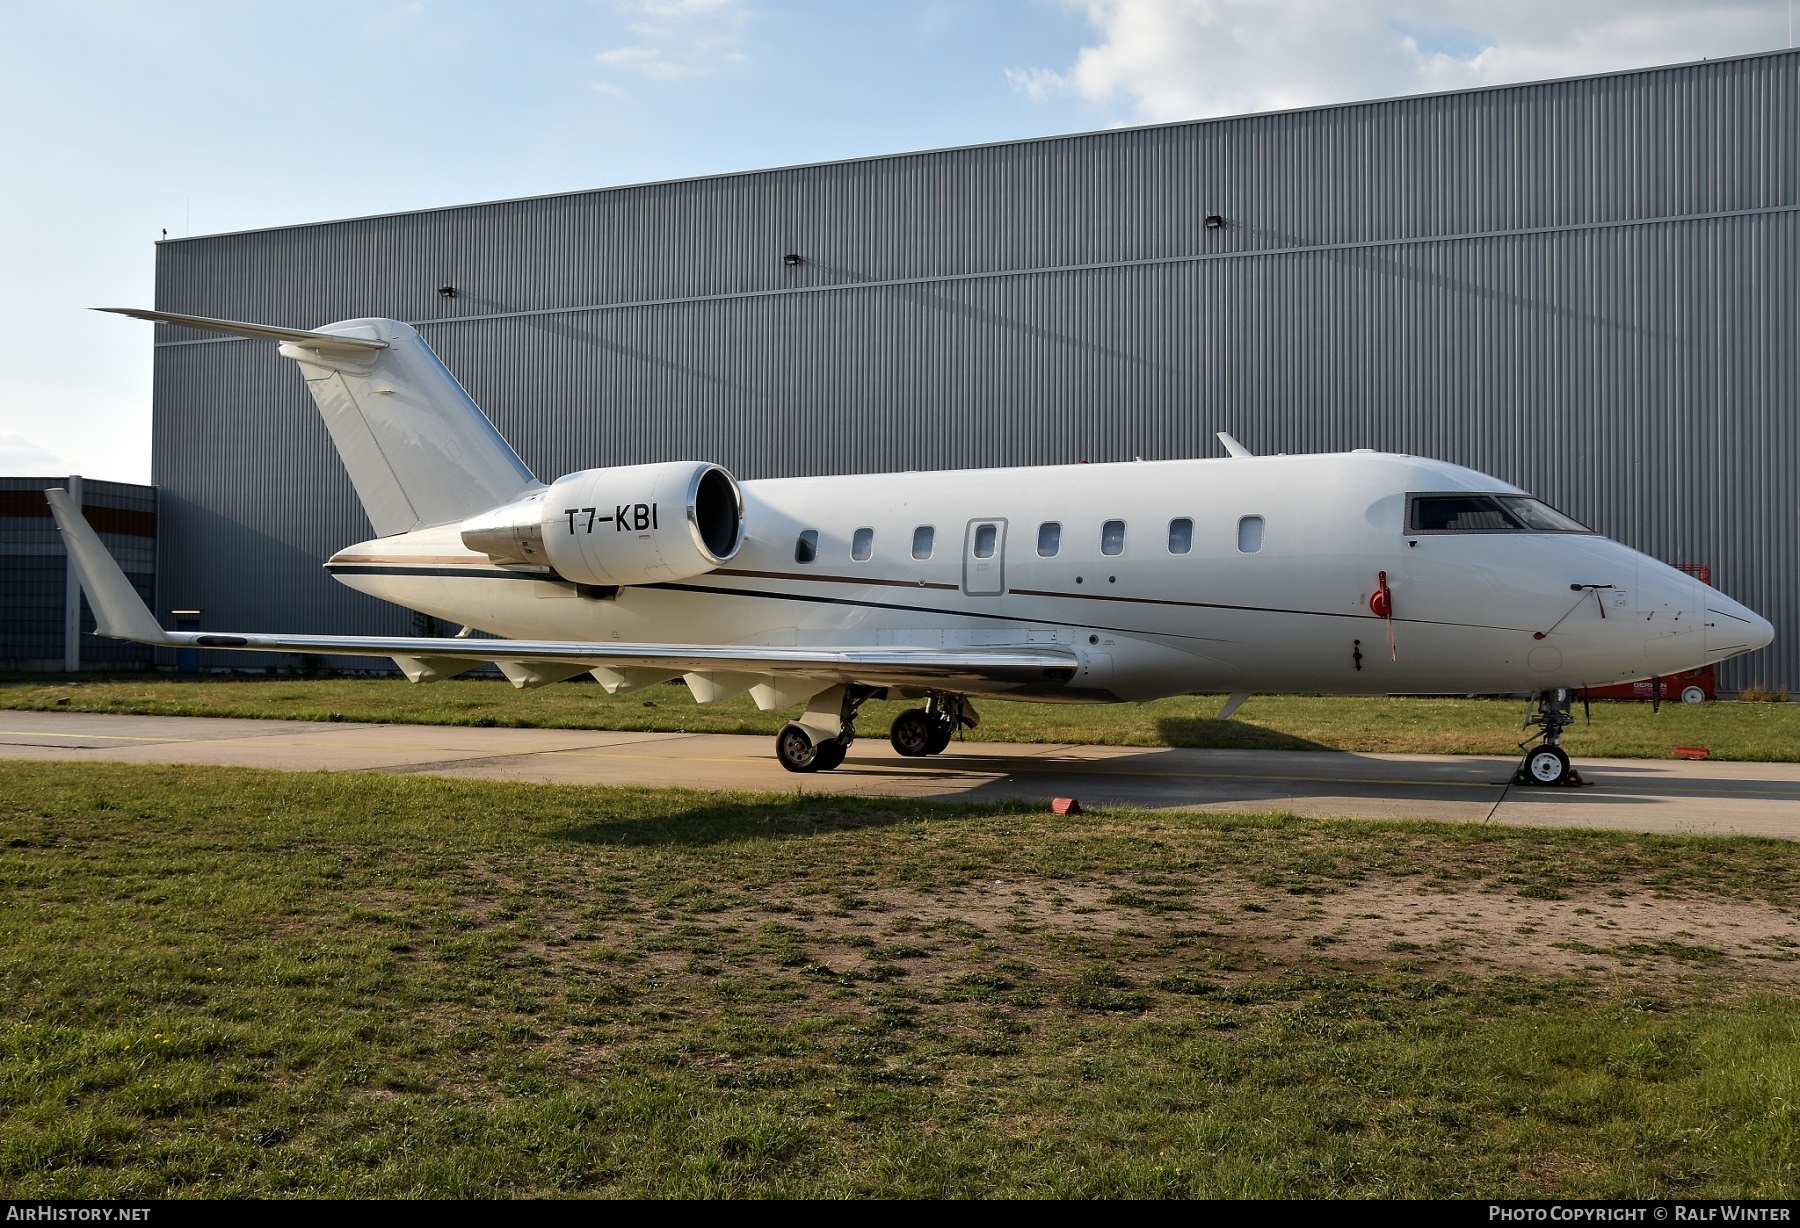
(630, 524)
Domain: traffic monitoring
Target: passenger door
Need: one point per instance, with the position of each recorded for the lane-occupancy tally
(984, 558)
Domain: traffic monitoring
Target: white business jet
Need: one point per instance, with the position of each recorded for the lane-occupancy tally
(1346, 573)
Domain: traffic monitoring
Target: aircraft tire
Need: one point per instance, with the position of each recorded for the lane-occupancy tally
(912, 733)
(795, 749)
(1547, 765)
(831, 753)
(940, 738)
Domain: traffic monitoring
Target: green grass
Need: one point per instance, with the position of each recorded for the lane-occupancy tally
(222, 982)
(1752, 731)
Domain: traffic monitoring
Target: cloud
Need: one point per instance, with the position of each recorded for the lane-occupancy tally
(1166, 60)
(19, 455)
(1036, 84)
(675, 40)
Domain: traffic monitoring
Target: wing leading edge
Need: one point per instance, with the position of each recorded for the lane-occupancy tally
(119, 613)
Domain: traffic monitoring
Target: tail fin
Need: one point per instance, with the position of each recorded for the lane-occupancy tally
(419, 451)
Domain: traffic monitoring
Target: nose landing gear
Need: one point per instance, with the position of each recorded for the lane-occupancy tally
(1546, 763)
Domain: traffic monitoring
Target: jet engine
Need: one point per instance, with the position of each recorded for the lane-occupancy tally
(631, 524)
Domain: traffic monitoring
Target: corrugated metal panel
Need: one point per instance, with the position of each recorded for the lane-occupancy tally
(1587, 287)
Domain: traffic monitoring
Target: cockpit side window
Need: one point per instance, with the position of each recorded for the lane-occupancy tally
(1540, 517)
(1478, 513)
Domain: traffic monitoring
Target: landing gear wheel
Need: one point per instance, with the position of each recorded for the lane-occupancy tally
(829, 755)
(797, 751)
(940, 738)
(1692, 695)
(1547, 765)
(912, 734)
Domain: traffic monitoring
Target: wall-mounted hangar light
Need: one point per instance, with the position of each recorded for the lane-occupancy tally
(1215, 221)
(446, 291)
(793, 260)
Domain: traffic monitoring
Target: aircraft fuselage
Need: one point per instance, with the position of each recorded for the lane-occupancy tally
(1251, 574)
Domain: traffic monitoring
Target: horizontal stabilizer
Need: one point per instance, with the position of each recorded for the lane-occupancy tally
(261, 332)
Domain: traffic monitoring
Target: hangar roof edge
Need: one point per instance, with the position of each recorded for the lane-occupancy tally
(936, 151)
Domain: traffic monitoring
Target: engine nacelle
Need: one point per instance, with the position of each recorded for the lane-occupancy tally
(632, 524)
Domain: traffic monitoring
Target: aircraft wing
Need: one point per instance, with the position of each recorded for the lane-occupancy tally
(119, 613)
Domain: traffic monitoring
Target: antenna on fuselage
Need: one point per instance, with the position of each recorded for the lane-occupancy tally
(1233, 446)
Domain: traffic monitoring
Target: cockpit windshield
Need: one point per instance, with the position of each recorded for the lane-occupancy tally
(1478, 513)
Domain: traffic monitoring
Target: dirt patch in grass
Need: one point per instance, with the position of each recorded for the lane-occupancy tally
(1645, 939)
(1233, 931)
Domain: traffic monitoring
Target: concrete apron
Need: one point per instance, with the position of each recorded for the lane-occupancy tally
(1640, 795)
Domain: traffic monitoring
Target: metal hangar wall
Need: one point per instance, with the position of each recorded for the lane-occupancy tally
(1589, 287)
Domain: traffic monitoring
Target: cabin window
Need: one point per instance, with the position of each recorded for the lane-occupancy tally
(1181, 535)
(1112, 537)
(1049, 539)
(807, 548)
(1474, 513)
(922, 538)
(984, 540)
(1250, 534)
(862, 545)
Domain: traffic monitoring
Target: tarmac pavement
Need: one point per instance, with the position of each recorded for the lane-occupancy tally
(1646, 795)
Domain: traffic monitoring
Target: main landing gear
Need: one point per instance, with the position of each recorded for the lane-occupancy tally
(818, 741)
(918, 732)
(1547, 763)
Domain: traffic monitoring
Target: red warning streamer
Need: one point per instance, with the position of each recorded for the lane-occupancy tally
(1381, 605)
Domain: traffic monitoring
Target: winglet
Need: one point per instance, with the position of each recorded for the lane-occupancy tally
(1233, 446)
(119, 613)
(260, 332)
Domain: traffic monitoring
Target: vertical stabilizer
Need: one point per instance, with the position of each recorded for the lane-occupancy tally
(418, 450)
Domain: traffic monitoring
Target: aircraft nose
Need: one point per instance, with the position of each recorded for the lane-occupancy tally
(1733, 629)
(1764, 633)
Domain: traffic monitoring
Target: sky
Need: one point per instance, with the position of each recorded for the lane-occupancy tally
(129, 119)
